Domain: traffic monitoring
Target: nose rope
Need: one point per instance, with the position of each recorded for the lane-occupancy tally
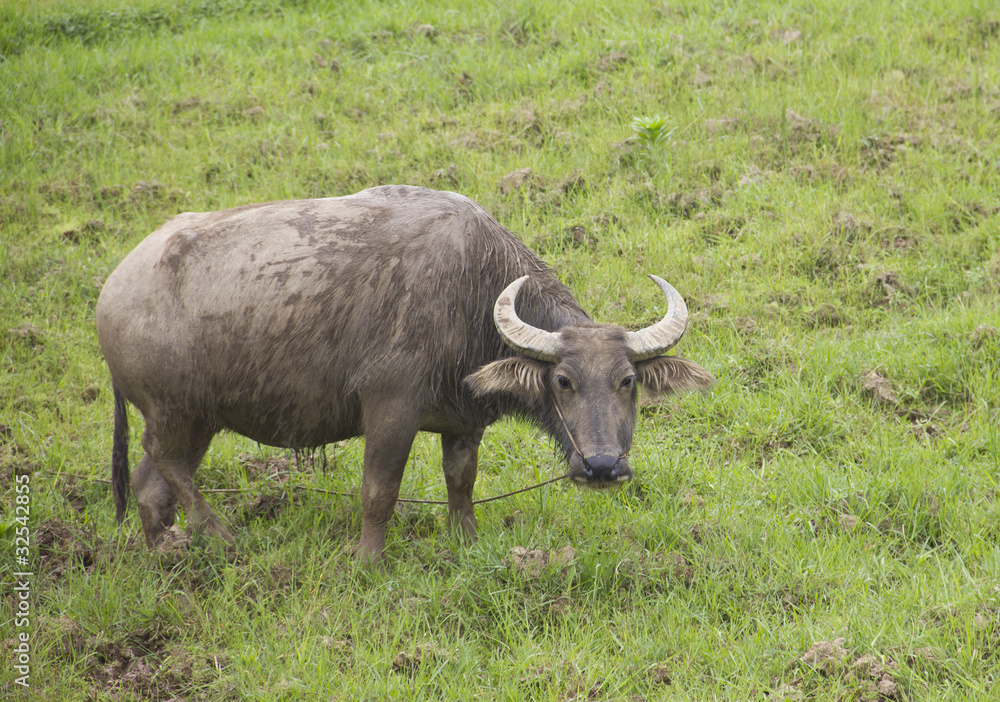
(576, 447)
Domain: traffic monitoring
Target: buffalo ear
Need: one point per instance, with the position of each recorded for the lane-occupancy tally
(664, 375)
(519, 376)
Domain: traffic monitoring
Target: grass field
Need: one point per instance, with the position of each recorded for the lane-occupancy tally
(824, 189)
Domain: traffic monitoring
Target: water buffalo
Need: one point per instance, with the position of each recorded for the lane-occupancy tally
(392, 311)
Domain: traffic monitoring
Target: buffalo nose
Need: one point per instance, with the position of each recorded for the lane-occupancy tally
(604, 468)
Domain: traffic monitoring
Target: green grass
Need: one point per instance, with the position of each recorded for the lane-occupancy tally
(827, 203)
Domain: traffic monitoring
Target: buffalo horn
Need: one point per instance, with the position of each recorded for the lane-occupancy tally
(657, 339)
(520, 336)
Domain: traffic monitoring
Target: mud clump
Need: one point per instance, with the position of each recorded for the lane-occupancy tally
(825, 316)
(173, 545)
(825, 656)
(849, 226)
(745, 326)
(804, 129)
(427, 653)
(869, 676)
(984, 335)
(869, 669)
(722, 125)
(535, 562)
(28, 334)
(613, 61)
(521, 179)
(786, 35)
(143, 663)
(878, 388)
(61, 546)
(265, 508)
(886, 288)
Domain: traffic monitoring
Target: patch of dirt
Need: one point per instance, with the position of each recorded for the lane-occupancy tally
(900, 240)
(984, 335)
(524, 123)
(416, 523)
(672, 565)
(613, 61)
(427, 653)
(269, 468)
(147, 190)
(786, 35)
(827, 315)
(29, 334)
(886, 288)
(825, 656)
(12, 210)
(68, 633)
(342, 649)
(722, 125)
(922, 429)
(536, 190)
(747, 64)
(830, 260)
(691, 498)
(534, 563)
(144, 662)
(581, 237)
(62, 545)
(701, 78)
(427, 31)
(754, 175)
(7, 436)
(878, 388)
(523, 179)
(482, 140)
(660, 675)
(821, 172)
(90, 393)
(187, 105)
(513, 520)
(867, 677)
(686, 204)
(265, 508)
(869, 669)
(74, 497)
(110, 192)
(762, 367)
(84, 233)
(173, 545)
(804, 129)
(745, 326)
(879, 152)
(847, 225)
(700, 532)
(255, 113)
(445, 176)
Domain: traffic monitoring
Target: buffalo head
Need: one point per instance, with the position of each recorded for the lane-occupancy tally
(581, 382)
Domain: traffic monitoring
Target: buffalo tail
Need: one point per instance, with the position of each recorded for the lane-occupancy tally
(119, 458)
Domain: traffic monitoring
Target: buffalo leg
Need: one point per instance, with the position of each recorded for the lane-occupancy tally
(388, 439)
(156, 499)
(459, 459)
(176, 449)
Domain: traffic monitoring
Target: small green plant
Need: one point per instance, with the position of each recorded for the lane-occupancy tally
(653, 131)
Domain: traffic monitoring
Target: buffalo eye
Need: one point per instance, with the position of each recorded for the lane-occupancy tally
(563, 382)
(627, 382)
